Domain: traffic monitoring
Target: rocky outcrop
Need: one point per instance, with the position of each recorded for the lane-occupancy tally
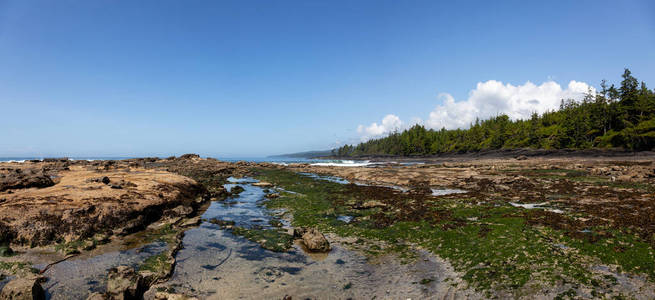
(23, 289)
(237, 189)
(272, 195)
(313, 239)
(86, 201)
(124, 283)
(189, 156)
(179, 211)
(19, 179)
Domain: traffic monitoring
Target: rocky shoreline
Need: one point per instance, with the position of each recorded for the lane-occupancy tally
(71, 207)
(74, 206)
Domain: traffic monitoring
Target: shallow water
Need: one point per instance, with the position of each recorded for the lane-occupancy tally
(340, 180)
(537, 206)
(334, 179)
(215, 264)
(443, 192)
(79, 276)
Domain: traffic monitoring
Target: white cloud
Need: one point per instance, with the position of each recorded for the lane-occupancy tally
(492, 98)
(487, 100)
(388, 125)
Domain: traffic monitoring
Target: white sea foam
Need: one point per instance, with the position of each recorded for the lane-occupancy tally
(343, 163)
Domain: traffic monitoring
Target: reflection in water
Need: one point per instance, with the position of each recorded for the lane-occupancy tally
(239, 268)
(334, 179)
(77, 277)
(215, 264)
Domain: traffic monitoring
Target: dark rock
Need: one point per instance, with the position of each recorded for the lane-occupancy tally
(298, 232)
(23, 289)
(189, 156)
(54, 160)
(217, 193)
(222, 223)
(5, 250)
(105, 180)
(7, 234)
(179, 211)
(24, 181)
(237, 189)
(124, 283)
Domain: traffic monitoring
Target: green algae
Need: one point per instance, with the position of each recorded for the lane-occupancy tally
(158, 264)
(491, 244)
(276, 240)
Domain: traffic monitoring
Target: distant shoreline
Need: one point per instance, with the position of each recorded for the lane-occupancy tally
(505, 153)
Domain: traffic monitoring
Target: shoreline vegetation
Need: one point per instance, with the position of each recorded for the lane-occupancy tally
(620, 117)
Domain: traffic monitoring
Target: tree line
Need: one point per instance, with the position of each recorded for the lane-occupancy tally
(614, 117)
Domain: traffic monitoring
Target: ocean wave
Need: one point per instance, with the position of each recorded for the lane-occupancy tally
(343, 163)
(13, 161)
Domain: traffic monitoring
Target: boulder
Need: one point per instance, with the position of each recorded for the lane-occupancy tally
(222, 223)
(298, 232)
(180, 211)
(237, 189)
(216, 193)
(315, 241)
(191, 222)
(272, 196)
(124, 283)
(23, 289)
(24, 181)
(262, 184)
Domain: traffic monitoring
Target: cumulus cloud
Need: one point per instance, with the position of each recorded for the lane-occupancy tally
(389, 124)
(492, 98)
(487, 100)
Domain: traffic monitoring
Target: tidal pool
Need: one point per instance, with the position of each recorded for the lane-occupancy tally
(215, 264)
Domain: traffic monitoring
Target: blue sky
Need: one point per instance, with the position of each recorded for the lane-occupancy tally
(252, 78)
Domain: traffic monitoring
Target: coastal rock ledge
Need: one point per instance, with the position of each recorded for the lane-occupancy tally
(86, 200)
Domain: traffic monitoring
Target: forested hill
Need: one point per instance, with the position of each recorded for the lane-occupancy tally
(621, 117)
